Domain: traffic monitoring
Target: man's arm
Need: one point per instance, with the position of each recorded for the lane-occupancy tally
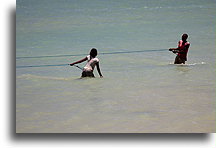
(80, 61)
(171, 49)
(184, 49)
(98, 69)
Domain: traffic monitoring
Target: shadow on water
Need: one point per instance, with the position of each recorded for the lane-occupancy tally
(183, 69)
(186, 67)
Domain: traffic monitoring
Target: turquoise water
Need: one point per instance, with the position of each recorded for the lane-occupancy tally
(141, 90)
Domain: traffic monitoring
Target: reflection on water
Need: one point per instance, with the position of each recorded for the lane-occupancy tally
(184, 69)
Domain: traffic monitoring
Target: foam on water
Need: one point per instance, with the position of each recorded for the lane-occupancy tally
(189, 64)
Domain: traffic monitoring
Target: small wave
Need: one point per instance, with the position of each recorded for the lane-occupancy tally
(30, 76)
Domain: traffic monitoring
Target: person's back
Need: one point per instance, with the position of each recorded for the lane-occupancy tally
(91, 62)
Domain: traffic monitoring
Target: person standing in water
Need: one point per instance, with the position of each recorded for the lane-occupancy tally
(92, 61)
(182, 50)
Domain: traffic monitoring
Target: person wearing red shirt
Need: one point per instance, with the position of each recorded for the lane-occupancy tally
(182, 50)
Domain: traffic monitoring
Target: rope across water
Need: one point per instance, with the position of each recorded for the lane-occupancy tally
(102, 53)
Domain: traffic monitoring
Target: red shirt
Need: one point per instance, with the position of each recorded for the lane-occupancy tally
(183, 49)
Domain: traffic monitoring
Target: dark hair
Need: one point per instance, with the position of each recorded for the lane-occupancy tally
(93, 52)
(185, 35)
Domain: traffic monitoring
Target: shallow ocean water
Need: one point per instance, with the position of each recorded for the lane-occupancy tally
(142, 91)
